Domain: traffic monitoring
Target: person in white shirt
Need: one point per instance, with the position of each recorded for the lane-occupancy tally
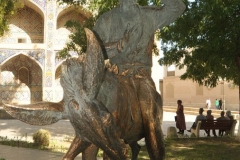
(208, 104)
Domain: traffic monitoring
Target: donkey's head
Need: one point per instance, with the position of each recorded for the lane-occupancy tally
(81, 79)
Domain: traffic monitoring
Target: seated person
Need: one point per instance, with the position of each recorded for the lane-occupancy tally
(222, 117)
(210, 117)
(198, 118)
(229, 115)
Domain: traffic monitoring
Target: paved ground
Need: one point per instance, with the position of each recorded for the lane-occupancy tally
(63, 128)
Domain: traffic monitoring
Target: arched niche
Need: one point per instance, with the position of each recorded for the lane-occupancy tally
(23, 75)
(70, 13)
(27, 26)
(21, 80)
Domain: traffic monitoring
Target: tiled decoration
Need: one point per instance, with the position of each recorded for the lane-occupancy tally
(48, 95)
(37, 55)
(6, 53)
(41, 3)
(49, 70)
(34, 64)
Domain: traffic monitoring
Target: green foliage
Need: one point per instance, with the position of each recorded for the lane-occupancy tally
(205, 39)
(78, 40)
(42, 138)
(172, 136)
(202, 148)
(7, 9)
(55, 145)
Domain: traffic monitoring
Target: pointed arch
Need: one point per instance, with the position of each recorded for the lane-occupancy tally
(34, 6)
(81, 13)
(23, 53)
(18, 61)
(69, 13)
(21, 80)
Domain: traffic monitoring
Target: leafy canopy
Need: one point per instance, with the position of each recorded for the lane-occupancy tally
(7, 9)
(205, 39)
(96, 7)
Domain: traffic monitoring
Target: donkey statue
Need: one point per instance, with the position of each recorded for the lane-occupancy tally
(99, 122)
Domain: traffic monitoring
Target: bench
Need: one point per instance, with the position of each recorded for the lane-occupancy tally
(227, 125)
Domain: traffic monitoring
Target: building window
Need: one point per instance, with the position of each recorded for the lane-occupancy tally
(22, 40)
(170, 73)
(171, 70)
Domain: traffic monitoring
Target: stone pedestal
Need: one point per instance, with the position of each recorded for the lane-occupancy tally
(171, 132)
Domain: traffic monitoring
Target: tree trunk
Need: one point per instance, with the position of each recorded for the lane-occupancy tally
(239, 106)
(238, 65)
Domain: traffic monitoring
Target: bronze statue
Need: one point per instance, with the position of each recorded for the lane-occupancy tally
(116, 104)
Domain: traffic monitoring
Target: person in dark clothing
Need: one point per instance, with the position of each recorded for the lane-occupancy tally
(210, 117)
(180, 123)
(222, 118)
(220, 104)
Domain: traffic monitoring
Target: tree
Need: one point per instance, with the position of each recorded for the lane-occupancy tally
(7, 9)
(206, 39)
(78, 39)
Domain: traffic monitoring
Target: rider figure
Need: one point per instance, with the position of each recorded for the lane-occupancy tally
(126, 34)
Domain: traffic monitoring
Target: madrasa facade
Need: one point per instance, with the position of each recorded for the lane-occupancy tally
(30, 71)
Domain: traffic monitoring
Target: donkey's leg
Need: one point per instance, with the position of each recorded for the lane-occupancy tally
(77, 146)
(135, 148)
(90, 153)
(105, 156)
(104, 133)
(151, 107)
(153, 135)
(154, 142)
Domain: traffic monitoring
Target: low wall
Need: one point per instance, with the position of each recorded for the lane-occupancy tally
(4, 114)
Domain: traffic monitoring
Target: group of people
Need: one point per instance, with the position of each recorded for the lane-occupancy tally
(181, 124)
(218, 104)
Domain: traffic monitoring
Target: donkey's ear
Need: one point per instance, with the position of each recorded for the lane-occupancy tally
(93, 65)
(40, 114)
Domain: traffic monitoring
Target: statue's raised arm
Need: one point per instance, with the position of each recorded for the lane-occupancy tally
(129, 27)
(168, 13)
